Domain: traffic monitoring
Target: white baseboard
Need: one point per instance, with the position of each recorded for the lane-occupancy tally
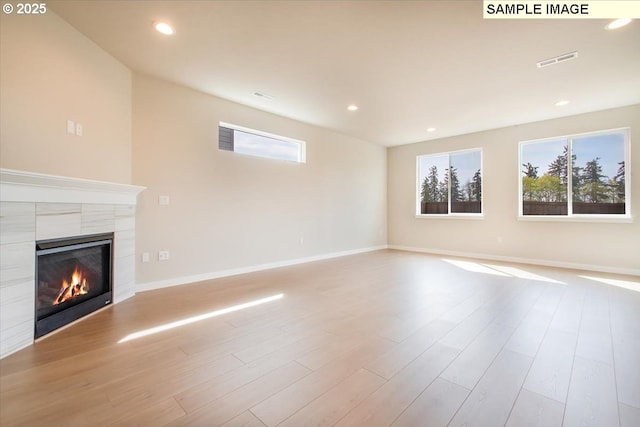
(540, 262)
(176, 281)
(141, 287)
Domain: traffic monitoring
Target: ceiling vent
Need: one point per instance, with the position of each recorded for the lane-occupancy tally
(262, 95)
(558, 59)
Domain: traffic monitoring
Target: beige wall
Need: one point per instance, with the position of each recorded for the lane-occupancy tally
(50, 73)
(231, 211)
(613, 246)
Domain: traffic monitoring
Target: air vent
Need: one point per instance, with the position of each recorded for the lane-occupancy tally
(262, 95)
(558, 59)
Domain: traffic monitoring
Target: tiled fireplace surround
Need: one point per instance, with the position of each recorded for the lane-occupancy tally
(36, 207)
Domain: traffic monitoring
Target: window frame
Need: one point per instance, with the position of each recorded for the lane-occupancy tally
(302, 151)
(580, 217)
(449, 214)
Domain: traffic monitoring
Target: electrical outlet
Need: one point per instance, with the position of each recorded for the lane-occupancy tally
(79, 129)
(163, 255)
(163, 200)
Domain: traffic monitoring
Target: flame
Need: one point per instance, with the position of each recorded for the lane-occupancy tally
(78, 286)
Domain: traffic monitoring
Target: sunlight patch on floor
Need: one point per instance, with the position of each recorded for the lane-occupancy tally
(523, 274)
(474, 267)
(198, 318)
(626, 284)
(500, 270)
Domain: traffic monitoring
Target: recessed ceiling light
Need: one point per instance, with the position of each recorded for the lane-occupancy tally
(562, 103)
(618, 23)
(352, 107)
(431, 129)
(164, 28)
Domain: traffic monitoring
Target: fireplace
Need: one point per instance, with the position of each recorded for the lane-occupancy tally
(73, 279)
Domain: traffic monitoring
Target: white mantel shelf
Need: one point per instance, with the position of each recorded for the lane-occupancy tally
(21, 186)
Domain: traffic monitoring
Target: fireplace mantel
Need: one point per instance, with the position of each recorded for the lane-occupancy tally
(36, 207)
(21, 186)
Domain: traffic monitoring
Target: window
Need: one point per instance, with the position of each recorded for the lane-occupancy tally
(450, 183)
(575, 175)
(261, 144)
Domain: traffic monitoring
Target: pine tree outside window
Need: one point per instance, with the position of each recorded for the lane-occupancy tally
(450, 184)
(576, 176)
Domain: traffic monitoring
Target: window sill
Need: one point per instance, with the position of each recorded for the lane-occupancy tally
(619, 219)
(451, 216)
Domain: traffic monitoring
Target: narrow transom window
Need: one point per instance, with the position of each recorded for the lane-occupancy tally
(260, 144)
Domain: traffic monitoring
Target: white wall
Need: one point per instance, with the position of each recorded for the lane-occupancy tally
(50, 73)
(232, 211)
(606, 246)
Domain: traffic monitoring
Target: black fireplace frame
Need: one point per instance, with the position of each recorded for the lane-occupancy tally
(56, 320)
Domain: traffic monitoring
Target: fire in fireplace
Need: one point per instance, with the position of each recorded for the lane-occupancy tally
(73, 279)
(76, 287)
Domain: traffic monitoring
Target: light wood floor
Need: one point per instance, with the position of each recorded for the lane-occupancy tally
(380, 339)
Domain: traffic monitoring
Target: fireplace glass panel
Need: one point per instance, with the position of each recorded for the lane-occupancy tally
(73, 279)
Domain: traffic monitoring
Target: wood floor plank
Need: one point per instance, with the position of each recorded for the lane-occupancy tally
(160, 414)
(435, 406)
(203, 393)
(594, 338)
(374, 331)
(518, 307)
(490, 403)
(240, 400)
(624, 313)
(594, 342)
(467, 330)
(529, 335)
(253, 352)
(281, 405)
(550, 373)
(534, 410)
(550, 298)
(592, 398)
(137, 389)
(331, 406)
(339, 347)
(472, 363)
(383, 406)
(245, 419)
(569, 312)
(470, 303)
(34, 413)
(404, 353)
(227, 344)
(409, 324)
(92, 372)
(627, 367)
(321, 321)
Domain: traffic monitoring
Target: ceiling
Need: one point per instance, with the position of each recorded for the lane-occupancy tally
(408, 65)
